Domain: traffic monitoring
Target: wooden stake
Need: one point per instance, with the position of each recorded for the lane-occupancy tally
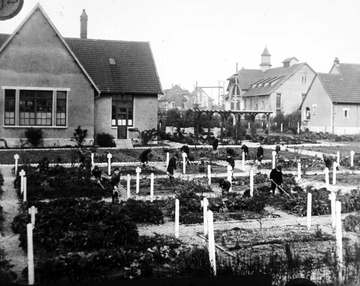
(128, 186)
(30, 254)
(309, 210)
(151, 187)
(177, 211)
(211, 239)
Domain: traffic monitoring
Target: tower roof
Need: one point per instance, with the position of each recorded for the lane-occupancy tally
(265, 52)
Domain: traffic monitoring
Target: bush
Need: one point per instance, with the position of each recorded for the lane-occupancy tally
(79, 136)
(148, 135)
(105, 140)
(34, 136)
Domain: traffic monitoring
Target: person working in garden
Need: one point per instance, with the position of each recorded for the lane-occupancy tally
(172, 167)
(277, 149)
(230, 152)
(260, 154)
(245, 150)
(145, 157)
(115, 184)
(231, 163)
(215, 144)
(224, 185)
(276, 178)
(96, 172)
(185, 149)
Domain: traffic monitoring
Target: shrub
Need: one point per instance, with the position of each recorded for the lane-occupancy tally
(148, 135)
(105, 140)
(79, 136)
(34, 136)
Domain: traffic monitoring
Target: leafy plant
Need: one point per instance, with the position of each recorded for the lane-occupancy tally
(148, 135)
(79, 136)
(105, 140)
(34, 136)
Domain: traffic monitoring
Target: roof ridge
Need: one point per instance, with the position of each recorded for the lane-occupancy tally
(105, 40)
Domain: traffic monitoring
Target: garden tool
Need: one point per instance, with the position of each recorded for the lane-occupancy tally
(280, 188)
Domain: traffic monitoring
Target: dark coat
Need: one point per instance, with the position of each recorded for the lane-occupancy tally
(224, 185)
(231, 161)
(115, 180)
(144, 156)
(215, 144)
(171, 166)
(276, 176)
(260, 153)
(230, 152)
(185, 149)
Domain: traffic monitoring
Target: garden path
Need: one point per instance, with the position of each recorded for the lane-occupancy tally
(10, 241)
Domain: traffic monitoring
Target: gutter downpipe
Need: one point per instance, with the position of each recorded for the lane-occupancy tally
(332, 119)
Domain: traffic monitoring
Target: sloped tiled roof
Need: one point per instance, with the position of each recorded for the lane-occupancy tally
(344, 87)
(169, 93)
(134, 72)
(279, 74)
(289, 59)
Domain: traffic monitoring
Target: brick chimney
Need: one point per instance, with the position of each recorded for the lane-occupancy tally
(337, 61)
(83, 25)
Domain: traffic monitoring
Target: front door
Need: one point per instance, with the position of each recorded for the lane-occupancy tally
(122, 114)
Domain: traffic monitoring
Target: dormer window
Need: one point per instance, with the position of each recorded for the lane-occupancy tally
(112, 62)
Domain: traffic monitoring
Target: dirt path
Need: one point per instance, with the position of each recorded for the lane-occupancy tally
(10, 241)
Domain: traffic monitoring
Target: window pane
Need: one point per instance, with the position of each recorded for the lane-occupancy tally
(35, 107)
(60, 108)
(9, 116)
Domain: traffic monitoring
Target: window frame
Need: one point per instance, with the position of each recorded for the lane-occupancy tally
(346, 113)
(54, 99)
(119, 102)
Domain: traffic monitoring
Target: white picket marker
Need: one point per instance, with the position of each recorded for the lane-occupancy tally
(32, 213)
(281, 128)
(151, 187)
(184, 162)
(298, 128)
(128, 186)
(243, 161)
(309, 210)
(273, 159)
(332, 198)
(30, 254)
(177, 211)
(229, 176)
(109, 156)
(251, 183)
(249, 126)
(92, 159)
(22, 174)
(25, 188)
(209, 174)
(338, 158)
(138, 171)
(352, 154)
(326, 172)
(334, 173)
(16, 157)
(339, 252)
(205, 204)
(211, 239)
(167, 158)
(299, 170)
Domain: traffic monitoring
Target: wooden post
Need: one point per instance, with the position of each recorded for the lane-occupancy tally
(251, 183)
(151, 187)
(334, 173)
(32, 212)
(209, 174)
(167, 158)
(339, 252)
(326, 171)
(177, 211)
(332, 198)
(211, 239)
(309, 209)
(205, 204)
(273, 159)
(25, 188)
(109, 156)
(92, 160)
(352, 154)
(30, 254)
(22, 174)
(299, 170)
(229, 176)
(138, 171)
(184, 162)
(298, 128)
(281, 128)
(243, 161)
(128, 186)
(338, 158)
(16, 157)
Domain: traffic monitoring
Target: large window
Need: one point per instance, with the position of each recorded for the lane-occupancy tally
(278, 101)
(25, 107)
(122, 110)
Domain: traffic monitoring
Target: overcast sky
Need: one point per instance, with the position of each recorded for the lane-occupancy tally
(202, 40)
